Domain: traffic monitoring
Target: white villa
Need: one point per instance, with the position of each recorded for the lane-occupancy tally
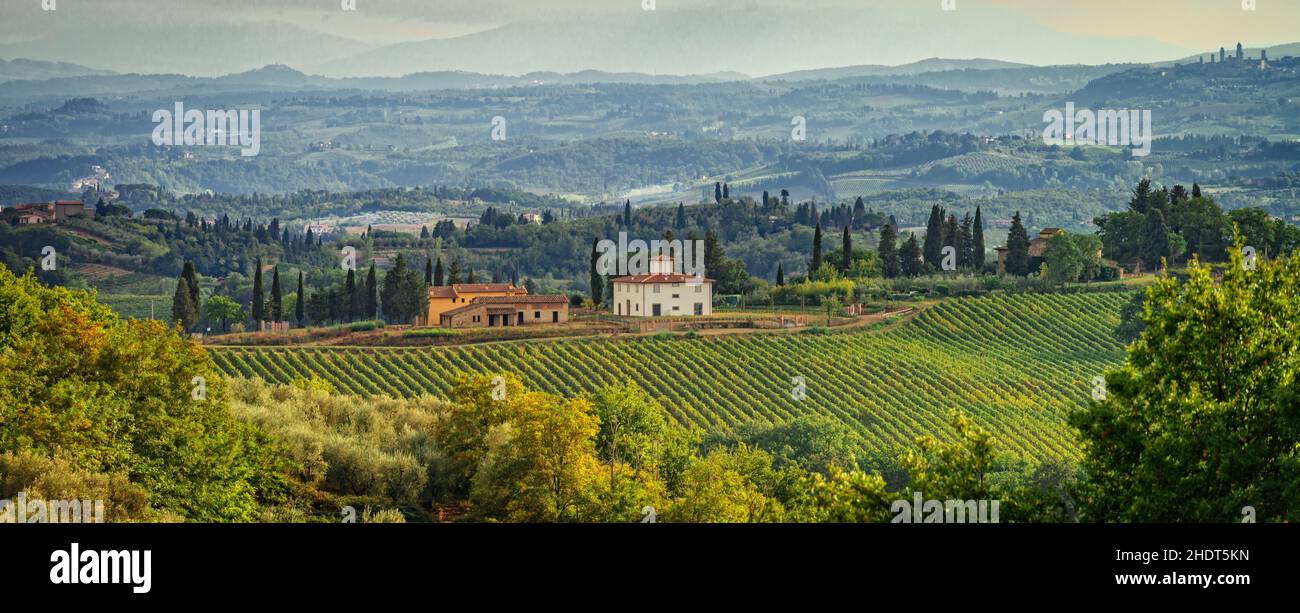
(663, 292)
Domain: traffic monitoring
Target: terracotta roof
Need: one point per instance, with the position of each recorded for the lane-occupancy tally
(441, 291)
(663, 278)
(478, 288)
(449, 291)
(534, 299)
(461, 309)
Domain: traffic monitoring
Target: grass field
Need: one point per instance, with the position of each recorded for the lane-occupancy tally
(1017, 363)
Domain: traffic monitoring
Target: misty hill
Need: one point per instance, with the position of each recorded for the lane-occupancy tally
(1275, 52)
(22, 69)
(933, 64)
(281, 78)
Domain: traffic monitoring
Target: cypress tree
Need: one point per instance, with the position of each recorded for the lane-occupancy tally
(681, 217)
(454, 276)
(259, 296)
(277, 299)
(470, 279)
(299, 305)
(192, 279)
(847, 246)
(1196, 190)
(1017, 248)
(859, 213)
(816, 261)
(780, 274)
(888, 252)
(717, 192)
(372, 294)
(977, 242)
(428, 271)
(597, 281)
(627, 213)
(712, 255)
(351, 297)
(933, 250)
(965, 242)
(184, 313)
(951, 233)
(438, 273)
(909, 257)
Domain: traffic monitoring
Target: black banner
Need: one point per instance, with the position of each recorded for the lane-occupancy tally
(326, 562)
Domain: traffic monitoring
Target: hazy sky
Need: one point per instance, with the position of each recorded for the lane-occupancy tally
(219, 36)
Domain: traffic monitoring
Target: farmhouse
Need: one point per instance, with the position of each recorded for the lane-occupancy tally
(663, 292)
(49, 212)
(519, 310)
(444, 298)
(1037, 247)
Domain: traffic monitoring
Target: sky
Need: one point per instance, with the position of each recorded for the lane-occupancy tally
(755, 37)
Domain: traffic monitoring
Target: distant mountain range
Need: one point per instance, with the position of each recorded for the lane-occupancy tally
(23, 69)
(933, 64)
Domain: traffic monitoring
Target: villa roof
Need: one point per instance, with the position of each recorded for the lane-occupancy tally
(450, 291)
(534, 299)
(663, 278)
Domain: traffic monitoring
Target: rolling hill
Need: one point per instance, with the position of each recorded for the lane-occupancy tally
(1017, 363)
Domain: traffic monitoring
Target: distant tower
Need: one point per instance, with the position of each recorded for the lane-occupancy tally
(1223, 54)
(1241, 55)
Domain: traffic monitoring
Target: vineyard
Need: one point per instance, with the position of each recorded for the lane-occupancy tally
(1017, 363)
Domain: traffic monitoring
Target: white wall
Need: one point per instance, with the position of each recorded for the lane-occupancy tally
(641, 298)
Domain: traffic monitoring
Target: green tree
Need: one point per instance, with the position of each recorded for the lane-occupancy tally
(597, 280)
(300, 305)
(350, 296)
(632, 424)
(846, 246)
(277, 299)
(1017, 248)
(453, 276)
(184, 312)
(1200, 422)
(888, 251)
(932, 251)
(977, 239)
(815, 263)
(192, 278)
(259, 295)
(223, 309)
(438, 273)
(126, 397)
(372, 293)
(909, 257)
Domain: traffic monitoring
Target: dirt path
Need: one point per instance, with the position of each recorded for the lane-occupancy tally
(895, 317)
